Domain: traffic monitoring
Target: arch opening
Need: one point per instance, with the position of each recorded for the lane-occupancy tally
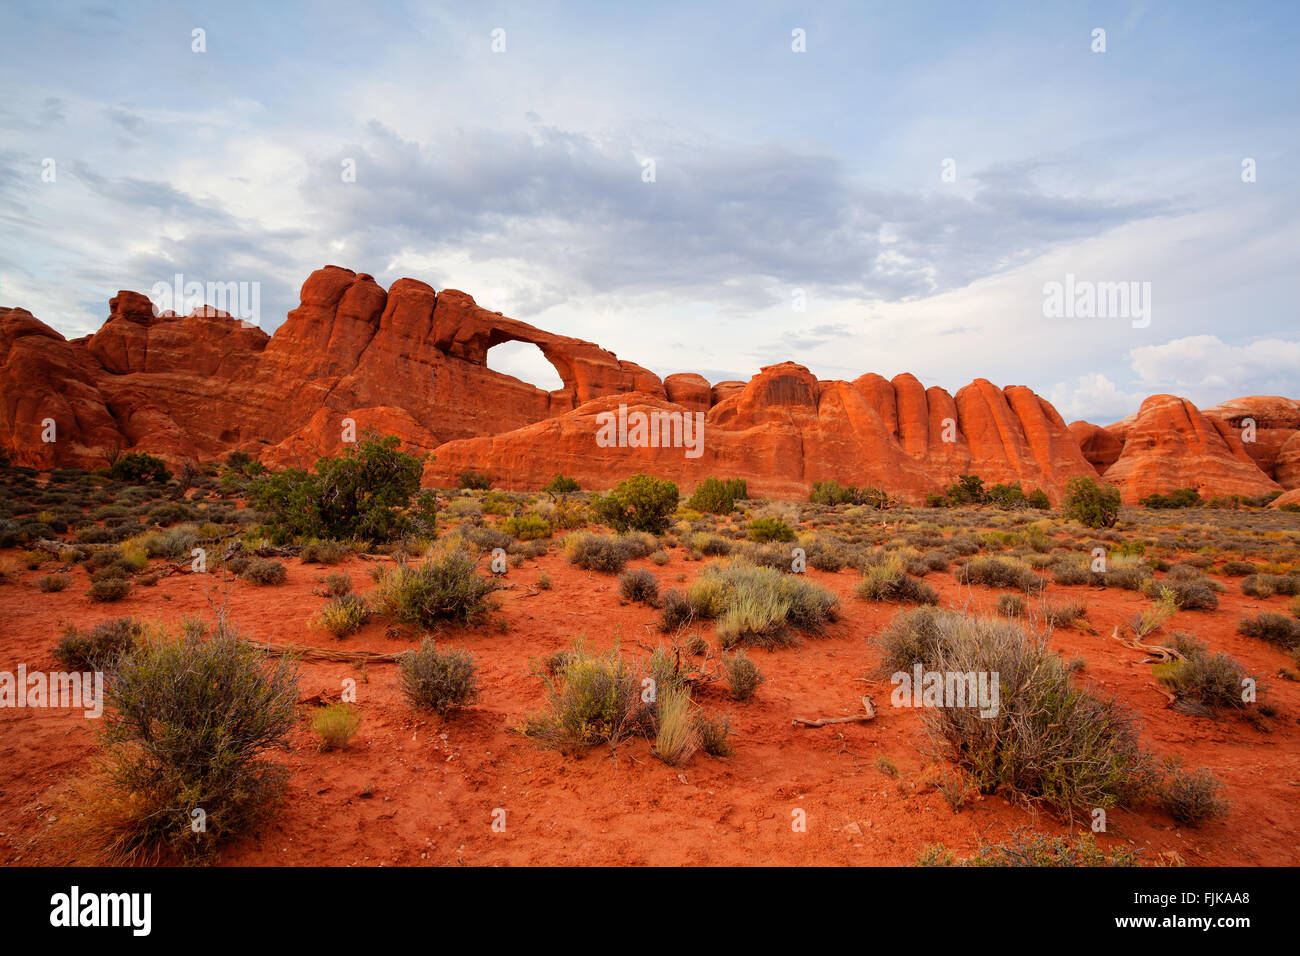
(526, 362)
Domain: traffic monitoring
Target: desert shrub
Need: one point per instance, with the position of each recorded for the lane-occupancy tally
(591, 699)
(264, 571)
(1237, 569)
(1188, 593)
(526, 527)
(675, 610)
(676, 737)
(1267, 585)
(324, 552)
(709, 545)
(966, 490)
(187, 725)
(1272, 627)
(335, 584)
(743, 675)
(438, 680)
(714, 496)
(110, 589)
(474, 481)
(465, 509)
(561, 485)
(770, 529)
(1073, 570)
(832, 493)
(446, 588)
(1182, 498)
(598, 552)
(1038, 499)
(1202, 679)
(713, 733)
(138, 468)
(50, 583)
(344, 615)
(824, 554)
(1049, 740)
(569, 514)
(911, 637)
(887, 580)
(640, 586)
(1091, 504)
(1192, 798)
(101, 647)
(755, 605)
(1062, 615)
(1007, 496)
(999, 573)
(640, 503)
(1295, 607)
(335, 725)
(1027, 848)
(358, 495)
(1011, 605)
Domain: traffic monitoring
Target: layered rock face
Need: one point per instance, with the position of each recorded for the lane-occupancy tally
(1171, 444)
(411, 361)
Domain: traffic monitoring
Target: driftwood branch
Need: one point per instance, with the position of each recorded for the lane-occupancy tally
(1155, 650)
(867, 705)
(302, 652)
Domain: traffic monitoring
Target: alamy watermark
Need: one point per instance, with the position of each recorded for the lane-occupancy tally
(922, 688)
(241, 300)
(656, 429)
(74, 690)
(1085, 299)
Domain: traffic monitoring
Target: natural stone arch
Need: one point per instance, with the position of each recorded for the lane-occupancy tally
(522, 354)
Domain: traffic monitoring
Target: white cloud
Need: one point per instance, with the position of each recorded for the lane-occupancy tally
(1210, 367)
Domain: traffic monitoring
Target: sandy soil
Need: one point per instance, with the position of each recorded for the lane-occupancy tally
(419, 790)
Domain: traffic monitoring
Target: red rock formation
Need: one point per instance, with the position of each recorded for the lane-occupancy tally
(1266, 424)
(1101, 447)
(411, 361)
(1171, 444)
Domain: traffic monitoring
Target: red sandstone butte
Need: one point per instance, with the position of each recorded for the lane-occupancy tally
(412, 361)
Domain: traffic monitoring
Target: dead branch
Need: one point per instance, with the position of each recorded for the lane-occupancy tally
(867, 705)
(1156, 650)
(302, 652)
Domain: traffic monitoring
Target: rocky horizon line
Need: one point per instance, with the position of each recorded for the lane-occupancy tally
(411, 361)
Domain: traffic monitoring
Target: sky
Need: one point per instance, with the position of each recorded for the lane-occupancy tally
(857, 187)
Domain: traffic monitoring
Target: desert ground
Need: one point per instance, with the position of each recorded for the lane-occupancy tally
(416, 788)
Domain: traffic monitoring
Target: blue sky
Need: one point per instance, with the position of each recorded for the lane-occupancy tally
(517, 176)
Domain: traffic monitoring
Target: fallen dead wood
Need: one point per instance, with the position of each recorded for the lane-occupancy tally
(303, 652)
(1155, 650)
(867, 705)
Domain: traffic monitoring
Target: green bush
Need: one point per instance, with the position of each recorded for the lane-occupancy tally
(186, 728)
(1091, 504)
(474, 481)
(832, 493)
(714, 496)
(967, 490)
(752, 605)
(1202, 679)
(591, 699)
(1192, 798)
(137, 468)
(640, 503)
(359, 495)
(1038, 499)
(438, 680)
(443, 589)
(1182, 498)
(770, 529)
(344, 615)
(887, 580)
(561, 485)
(526, 527)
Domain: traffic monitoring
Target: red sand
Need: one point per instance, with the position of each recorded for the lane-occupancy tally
(414, 789)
